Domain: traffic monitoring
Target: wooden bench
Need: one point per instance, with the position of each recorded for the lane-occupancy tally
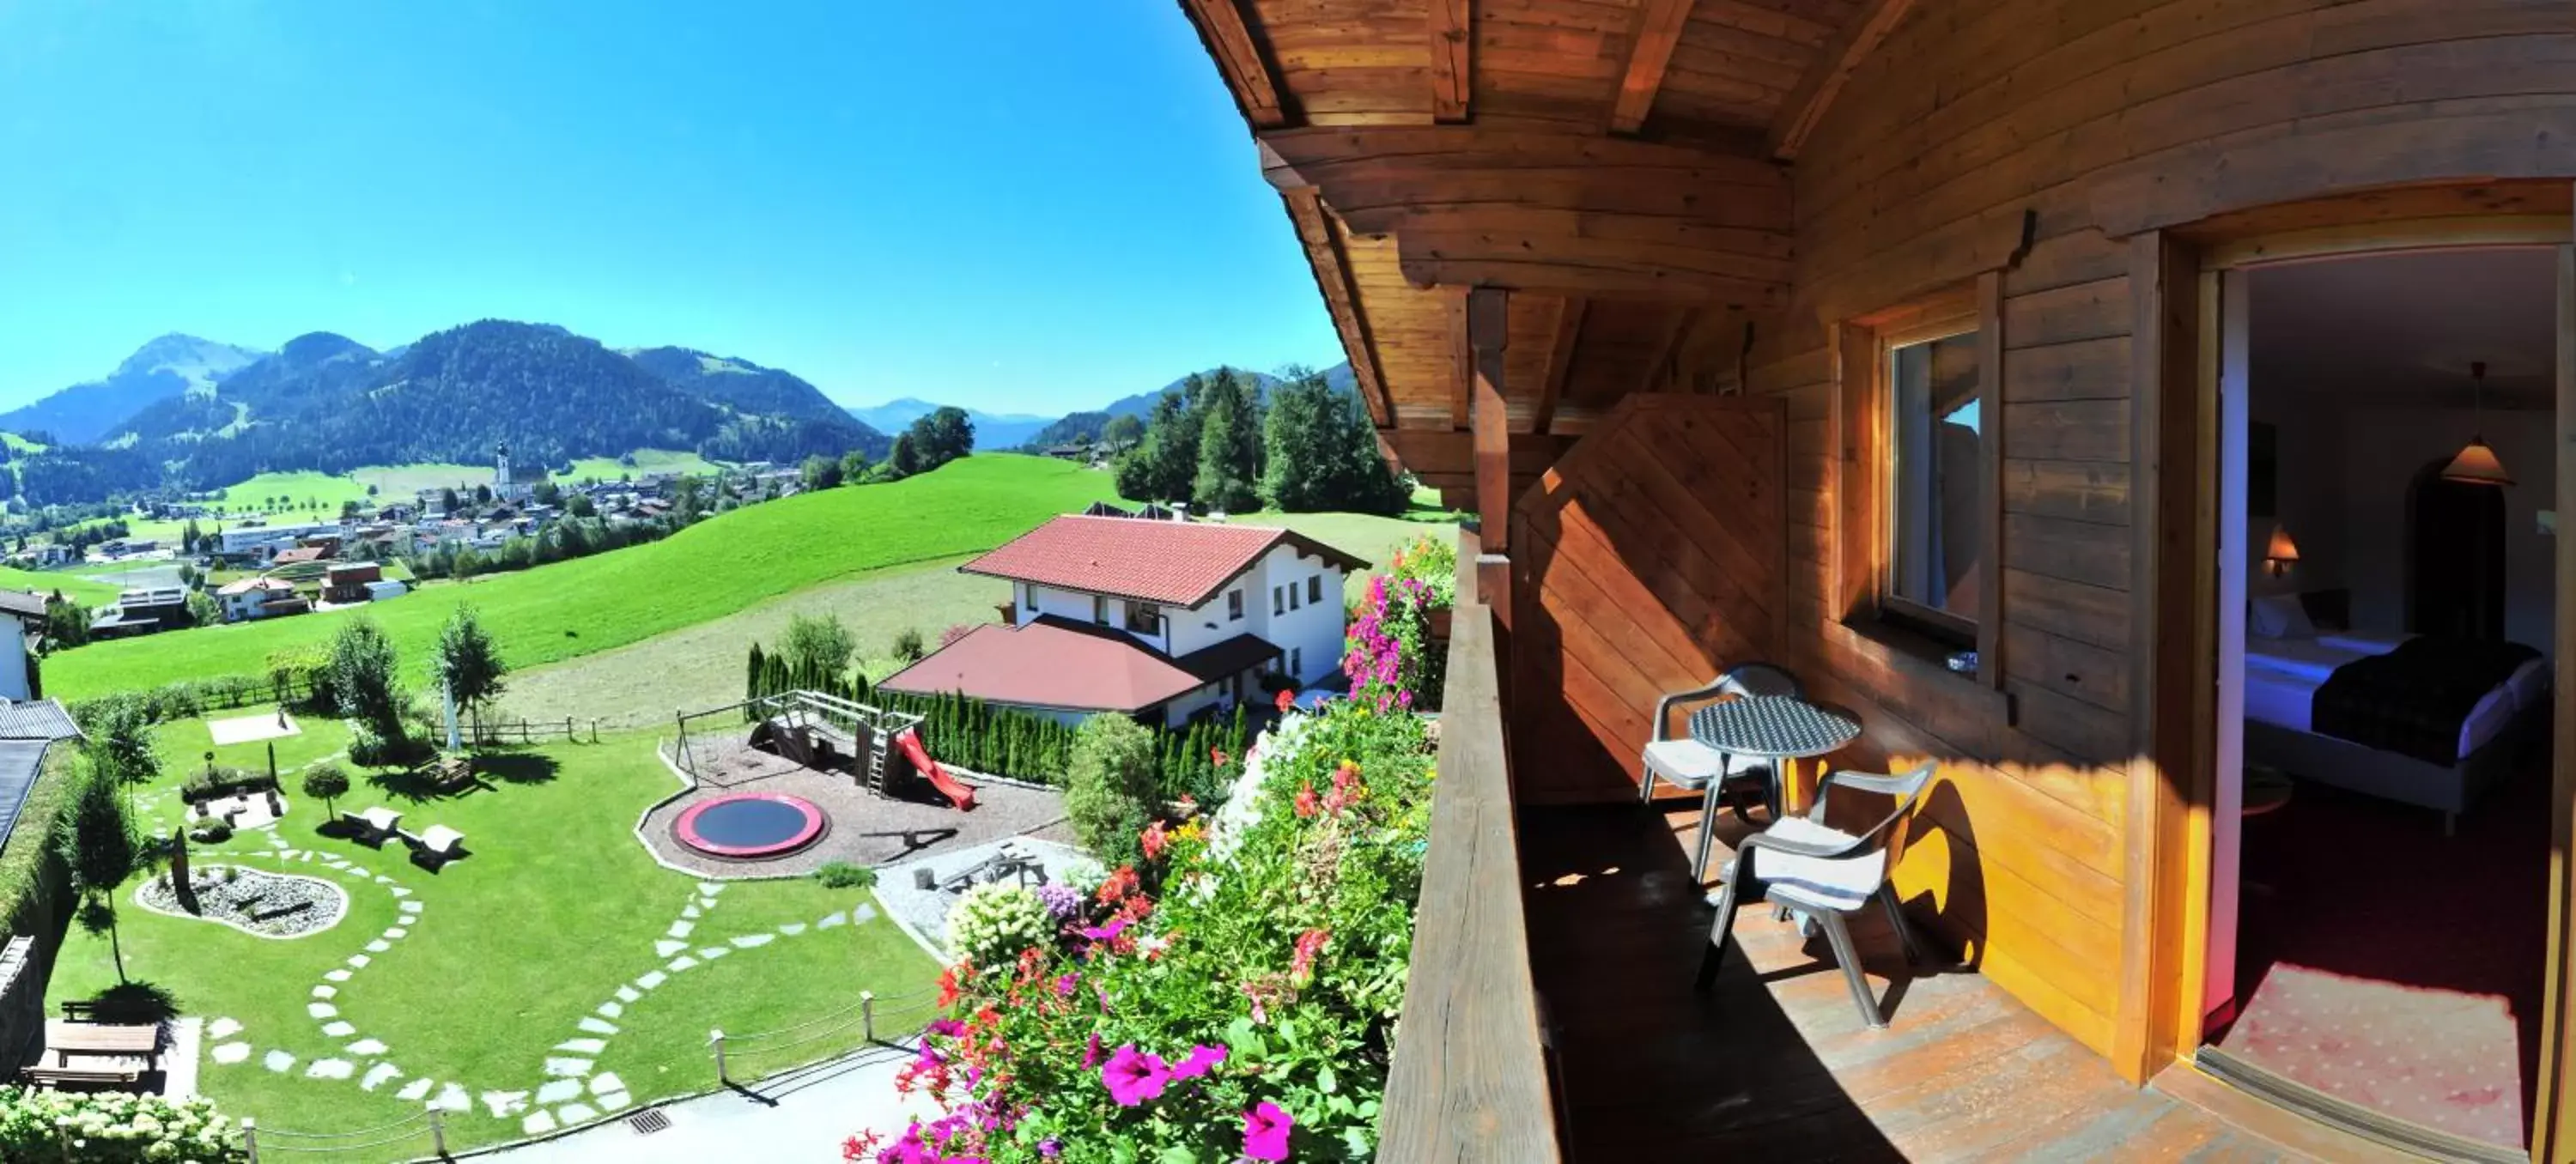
(60, 1075)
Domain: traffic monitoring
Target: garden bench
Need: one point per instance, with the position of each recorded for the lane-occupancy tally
(52, 1076)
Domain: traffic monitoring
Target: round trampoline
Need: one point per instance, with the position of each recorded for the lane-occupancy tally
(750, 825)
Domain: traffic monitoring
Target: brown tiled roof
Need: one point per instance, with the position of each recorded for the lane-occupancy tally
(1053, 662)
(1179, 563)
(300, 554)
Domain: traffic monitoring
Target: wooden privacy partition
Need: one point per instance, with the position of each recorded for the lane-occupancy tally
(1650, 558)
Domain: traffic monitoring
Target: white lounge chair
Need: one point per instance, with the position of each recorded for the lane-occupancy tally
(379, 822)
(440, 842)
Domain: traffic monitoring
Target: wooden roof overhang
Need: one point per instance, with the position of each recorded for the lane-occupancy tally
(1543, 204)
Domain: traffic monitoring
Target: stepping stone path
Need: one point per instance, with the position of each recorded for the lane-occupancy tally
(572, 1091)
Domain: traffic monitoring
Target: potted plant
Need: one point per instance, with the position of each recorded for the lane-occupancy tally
(1433, 562)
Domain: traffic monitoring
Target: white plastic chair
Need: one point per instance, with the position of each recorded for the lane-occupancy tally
(1686, 763)
(1822, 874)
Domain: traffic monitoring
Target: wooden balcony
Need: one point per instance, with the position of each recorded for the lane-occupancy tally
(1551, 1013)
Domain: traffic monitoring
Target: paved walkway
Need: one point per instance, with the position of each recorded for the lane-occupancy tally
(801, 1116)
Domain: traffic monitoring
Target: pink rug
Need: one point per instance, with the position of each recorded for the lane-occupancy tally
(2389, 966)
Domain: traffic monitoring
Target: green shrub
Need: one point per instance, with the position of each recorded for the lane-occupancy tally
(1109, 793)
(207, 784)
(213, 832)
(371, 748)
(993, 922)
(844, 875)
(907, 646)
(35, 884)
(111, 1127)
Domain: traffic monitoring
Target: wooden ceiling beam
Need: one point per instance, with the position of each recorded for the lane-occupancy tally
(1560, 361)
(1341, 299)
(1650, 52)
(1824, 81)
(1452, 58)
(1230, 42)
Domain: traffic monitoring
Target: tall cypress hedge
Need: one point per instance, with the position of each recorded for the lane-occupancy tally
(977, 735)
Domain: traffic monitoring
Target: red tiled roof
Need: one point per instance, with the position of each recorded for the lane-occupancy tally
(1178, 563)
(300, 554)
(1052, 662)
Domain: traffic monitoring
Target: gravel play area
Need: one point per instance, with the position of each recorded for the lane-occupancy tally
(926, 910)
(864, 828)
(271, 905)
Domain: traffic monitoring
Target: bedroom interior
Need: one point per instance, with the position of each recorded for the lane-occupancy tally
(2388, 577)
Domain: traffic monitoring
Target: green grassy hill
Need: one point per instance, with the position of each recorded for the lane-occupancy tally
(86, 591)
(709, 570)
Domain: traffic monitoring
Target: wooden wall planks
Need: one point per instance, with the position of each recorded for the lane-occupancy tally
(1647, 560)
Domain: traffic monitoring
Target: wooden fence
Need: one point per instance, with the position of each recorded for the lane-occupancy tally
(528, 731)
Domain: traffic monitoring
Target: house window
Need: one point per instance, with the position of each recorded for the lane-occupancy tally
(1278, 600)
(1292, 596)
(1029, 598)
(1933, 573)
(1234, 606)
(1296, 661)
(1144, 618)
(1314, 589)
(1099, 610)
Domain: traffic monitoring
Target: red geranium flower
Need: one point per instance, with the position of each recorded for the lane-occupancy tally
(1287, 701)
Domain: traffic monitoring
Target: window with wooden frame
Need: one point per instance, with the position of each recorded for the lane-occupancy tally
(1144, 618)
(1920, 473)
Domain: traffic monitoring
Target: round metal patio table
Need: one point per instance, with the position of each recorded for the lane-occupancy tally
(1776, 728)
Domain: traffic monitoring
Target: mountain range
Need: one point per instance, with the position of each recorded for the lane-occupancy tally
(189, 413)
(172, 365)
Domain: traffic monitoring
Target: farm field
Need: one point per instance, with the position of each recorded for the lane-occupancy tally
(86, 591)
(700, 666)
(723, 565)
(471, 976)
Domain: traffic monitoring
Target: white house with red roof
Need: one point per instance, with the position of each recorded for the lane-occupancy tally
(1158, 619)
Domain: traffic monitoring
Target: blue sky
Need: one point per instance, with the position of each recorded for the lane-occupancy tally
(1021, 207)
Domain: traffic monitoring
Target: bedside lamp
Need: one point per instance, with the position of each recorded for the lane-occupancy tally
(2278, 556)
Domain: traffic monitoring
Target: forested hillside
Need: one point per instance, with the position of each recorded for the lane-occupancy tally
(328, 403)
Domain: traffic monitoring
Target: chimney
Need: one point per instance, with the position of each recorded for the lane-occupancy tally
(1180, 511)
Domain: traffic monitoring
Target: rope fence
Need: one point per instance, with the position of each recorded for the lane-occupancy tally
(428, 1127)
(873, 1017)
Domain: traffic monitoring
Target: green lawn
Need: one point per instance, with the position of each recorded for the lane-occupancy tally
(593, 604)
(86, 591)
(1373, 539)
(556, 907)
(646, 461)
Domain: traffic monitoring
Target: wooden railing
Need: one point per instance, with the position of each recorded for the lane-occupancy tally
(1469, 1080)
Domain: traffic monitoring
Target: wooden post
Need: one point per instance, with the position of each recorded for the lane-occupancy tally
(1488, 325)
(715, 1039)
(437, 1131)
(250, 1138)
(868, 1015)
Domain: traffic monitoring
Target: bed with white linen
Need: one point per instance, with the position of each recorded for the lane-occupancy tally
(2287, 660)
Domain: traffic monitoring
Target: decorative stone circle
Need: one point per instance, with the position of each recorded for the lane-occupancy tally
(254, 901)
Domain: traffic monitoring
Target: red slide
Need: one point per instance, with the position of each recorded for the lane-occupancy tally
(959, 794)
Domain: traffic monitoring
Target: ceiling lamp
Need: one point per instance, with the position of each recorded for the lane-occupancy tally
(2477, 463)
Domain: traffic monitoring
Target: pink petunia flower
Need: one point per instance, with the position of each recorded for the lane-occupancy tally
(1265, 1131)
(1134, 1077)
(1104, 933)
(1091, 1052)
(1202, 1059)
